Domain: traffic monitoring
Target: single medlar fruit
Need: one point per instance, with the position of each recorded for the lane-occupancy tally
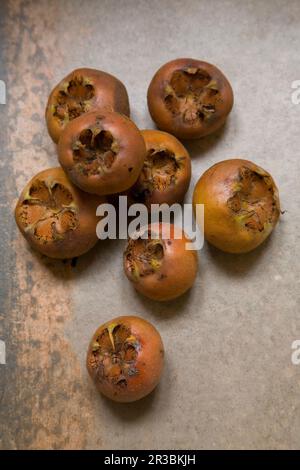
(81, 91)
(241, 205)
(125, 358)
(166, 173)
(160, 266)
(56, 218)
(102, 152)
(189, 98)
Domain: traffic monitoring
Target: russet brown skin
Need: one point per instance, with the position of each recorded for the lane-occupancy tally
(161, 269)
(241, 205)
(166, 173)
(125, 358)
(81, 91)
(56, 218)
(189, 98)
(102, 152)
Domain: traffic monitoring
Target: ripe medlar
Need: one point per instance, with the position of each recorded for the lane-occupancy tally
(102, 152)
(56, 218)
(241, 205)
(159, 265)
(81, 91)
(166, 173)
(125, 358)
(189, 98)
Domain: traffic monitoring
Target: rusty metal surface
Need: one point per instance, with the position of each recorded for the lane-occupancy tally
(229, 381)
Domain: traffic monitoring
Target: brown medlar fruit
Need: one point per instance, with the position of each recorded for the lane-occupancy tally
(102, 152)
(56, 218)
(81, 91)
(125, 358)
(241, 205)
(189, 98)
(160, 266)
(166, 173)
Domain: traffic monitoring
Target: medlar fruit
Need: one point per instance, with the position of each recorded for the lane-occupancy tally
(102, 152)
(81, 91)
(159, 265)
(189, 98)
(166, 173)
(241, 205)
(125, 358)
(56, 218)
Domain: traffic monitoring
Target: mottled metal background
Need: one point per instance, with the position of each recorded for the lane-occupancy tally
(229, 381)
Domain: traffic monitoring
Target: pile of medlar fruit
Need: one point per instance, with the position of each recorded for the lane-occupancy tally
(102, 154)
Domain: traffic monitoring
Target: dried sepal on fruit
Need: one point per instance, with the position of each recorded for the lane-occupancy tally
(166, 173)
(81, 91)
(160, 266)
(55, 217)
(125, 358)
(241, 205)
(189, 98)
(102, 152)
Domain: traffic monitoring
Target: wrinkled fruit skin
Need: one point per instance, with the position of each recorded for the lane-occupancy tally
(241, 205)
(81, 91)
(102, 152)
(161, 269)
(166, 173)
(55, 217)
(189, 98)
(125, 358)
